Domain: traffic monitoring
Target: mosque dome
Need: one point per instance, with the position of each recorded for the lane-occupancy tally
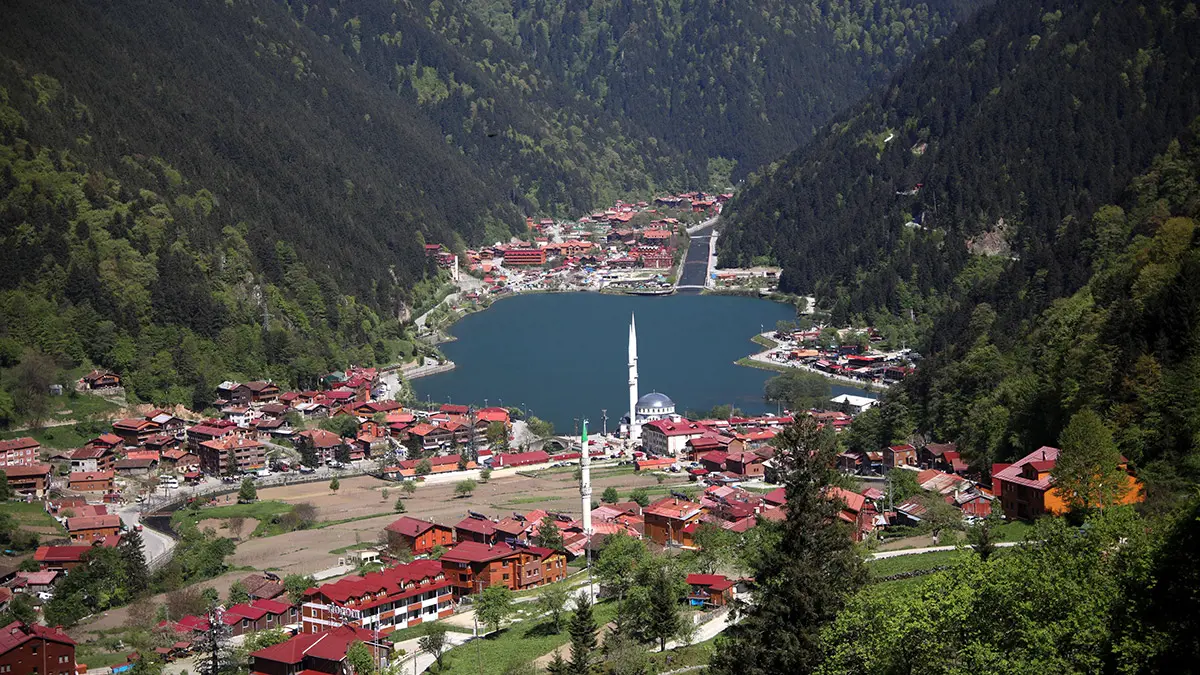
(655, 404)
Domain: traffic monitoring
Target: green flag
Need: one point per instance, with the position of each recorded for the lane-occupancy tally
(584, 440)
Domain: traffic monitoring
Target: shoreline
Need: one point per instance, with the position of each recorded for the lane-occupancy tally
(758, 361)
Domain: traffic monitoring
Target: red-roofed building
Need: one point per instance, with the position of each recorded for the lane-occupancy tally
(111, 441)
(91, 481)
(324, 443)
(60, 558)
(87, 529)
(472, 567)
(101, 379)
(35, 650)
(479, 530)
(854, 511)
(28, 479)
(95, 458)
(667, 521)
(420, 535)
(1026, 488)
(510, 459)
(134, 431)
(391, 599)
(247, 455)
(315, 653)
(899, 455)
(709, 590)
(668, 437)
(22, 450)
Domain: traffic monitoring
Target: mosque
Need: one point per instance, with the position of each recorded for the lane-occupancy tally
(652, 406)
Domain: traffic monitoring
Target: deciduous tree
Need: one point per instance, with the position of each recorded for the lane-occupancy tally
(1087, 473)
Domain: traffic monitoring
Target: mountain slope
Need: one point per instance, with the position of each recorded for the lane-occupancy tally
(1015, 128)
(559, 152)
(723, 80)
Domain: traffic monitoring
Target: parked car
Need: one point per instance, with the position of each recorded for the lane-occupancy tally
(307, 469)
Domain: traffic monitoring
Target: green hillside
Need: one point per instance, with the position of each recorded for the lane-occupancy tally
(723, 81)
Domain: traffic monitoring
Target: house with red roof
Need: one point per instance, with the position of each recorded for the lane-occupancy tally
(134, 431)
(96, 458)
(854, 511)
(60, 558)
(390, 599)
(22, 450)
(111, 441)
(669, 437)
(709, 590)
(258, 614)
(314, 653)
(91, 481)
(87, 529)
(101, 379)
(667, 521)
(420, 535)
(899, 455)
(472, 566)
(34, 649)
(477, 528)
(324, 443)
(1026, 488)
(231, 455)
(29, 479)
(511, 459)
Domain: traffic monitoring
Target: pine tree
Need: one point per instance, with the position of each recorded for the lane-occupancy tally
(802, 582)
(583, 636)
(133, 560)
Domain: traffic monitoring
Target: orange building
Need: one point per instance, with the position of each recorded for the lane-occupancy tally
(525, 256)
(91, 481)
(472, 567)
(421, 535)
(667, 521)
(87, 529)
(1026, 489)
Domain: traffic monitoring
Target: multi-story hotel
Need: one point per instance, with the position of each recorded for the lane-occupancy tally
(397, 597)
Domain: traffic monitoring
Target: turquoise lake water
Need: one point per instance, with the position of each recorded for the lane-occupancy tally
(563, 355)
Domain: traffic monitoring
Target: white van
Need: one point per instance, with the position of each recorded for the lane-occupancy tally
(171, 482)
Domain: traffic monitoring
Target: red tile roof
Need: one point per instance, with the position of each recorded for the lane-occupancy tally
(60, 554)
(17, 633)
(673, 508)
(330, 645)
(1012, 473)
(22, 443)
(26, 470)
(93, 522)
(410, 527)
(716, 582)
(475, 552)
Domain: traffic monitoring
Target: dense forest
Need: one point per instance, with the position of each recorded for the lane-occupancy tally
(1001, 140)
(729, 84)
(1029, 189)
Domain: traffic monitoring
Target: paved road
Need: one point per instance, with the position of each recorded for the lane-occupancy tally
(929, 549)
(157, 544)
(697, 260)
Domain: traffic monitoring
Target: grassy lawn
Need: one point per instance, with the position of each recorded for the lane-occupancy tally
(764, 341)
(362, 545)
(909, 563)
(661, 490)
(751, 363)
(61, 438)
(1014, 530)
(520, 643)
(403, 634)
(31, 515)
(682, 657)
(262, 511)
(530, 500)
(82, 407)
(95, 656)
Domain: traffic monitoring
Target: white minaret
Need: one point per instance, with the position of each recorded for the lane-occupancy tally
(585, 482)
(635, 429)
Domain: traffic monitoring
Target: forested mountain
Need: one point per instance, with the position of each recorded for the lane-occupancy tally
(974, 190)
(1002, 140)
(740, 81)
(552, 150)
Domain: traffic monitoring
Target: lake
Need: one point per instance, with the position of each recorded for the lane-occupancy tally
(563, 355)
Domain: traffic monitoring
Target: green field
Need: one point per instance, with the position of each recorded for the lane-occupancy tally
(30, 515)
(518, 644)
(917, 561)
